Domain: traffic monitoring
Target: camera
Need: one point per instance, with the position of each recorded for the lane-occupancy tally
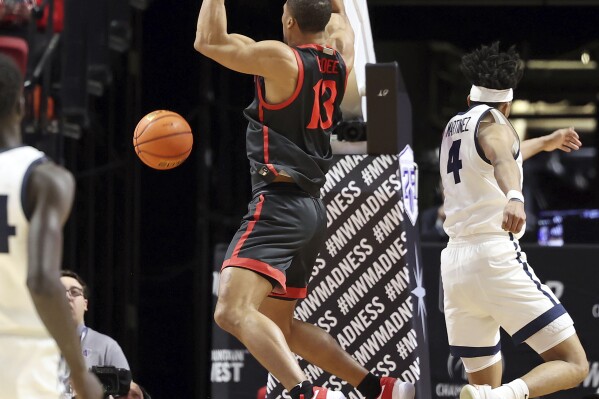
(116, 382)
(351, 130)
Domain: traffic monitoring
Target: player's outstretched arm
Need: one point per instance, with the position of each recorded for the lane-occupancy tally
(269, 58)
(566, 140)
(50, 191)
(340, 33)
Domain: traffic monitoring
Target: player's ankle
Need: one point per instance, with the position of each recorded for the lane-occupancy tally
(370, 387)
(303, 388)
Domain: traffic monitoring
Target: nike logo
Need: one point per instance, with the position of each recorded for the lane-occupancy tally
(316, 394)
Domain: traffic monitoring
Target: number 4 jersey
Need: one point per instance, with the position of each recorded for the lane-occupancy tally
(293, 137)
(474, 202)
(18, 316)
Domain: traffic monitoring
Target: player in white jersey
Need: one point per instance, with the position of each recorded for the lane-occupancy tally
(35, 321)
(487, 280)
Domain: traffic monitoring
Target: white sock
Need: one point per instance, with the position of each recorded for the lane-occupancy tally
(516, 389)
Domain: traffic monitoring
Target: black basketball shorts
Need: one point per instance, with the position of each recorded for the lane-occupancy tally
(280, 238)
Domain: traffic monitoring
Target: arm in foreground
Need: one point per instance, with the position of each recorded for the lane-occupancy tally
(50, 193)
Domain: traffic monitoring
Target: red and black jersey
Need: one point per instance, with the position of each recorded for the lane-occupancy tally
(294, 136)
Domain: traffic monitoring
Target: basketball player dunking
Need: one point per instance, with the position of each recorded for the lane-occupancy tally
(486, 278)
(35, 200)
(299, 86)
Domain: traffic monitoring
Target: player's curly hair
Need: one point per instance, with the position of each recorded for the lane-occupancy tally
(11, 84)
(488, 67)
(311, 15)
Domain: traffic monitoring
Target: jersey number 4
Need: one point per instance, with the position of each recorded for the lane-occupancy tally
(322, 105)
(5, 230)
(454, 163)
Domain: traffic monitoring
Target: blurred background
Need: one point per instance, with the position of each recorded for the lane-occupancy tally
(144, 239)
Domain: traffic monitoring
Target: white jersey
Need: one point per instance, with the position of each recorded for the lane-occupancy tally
(474, 202)
(18, 316)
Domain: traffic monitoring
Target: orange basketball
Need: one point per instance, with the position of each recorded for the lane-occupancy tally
(162, 139)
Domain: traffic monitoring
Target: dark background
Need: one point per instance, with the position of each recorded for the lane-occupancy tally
(143, 239)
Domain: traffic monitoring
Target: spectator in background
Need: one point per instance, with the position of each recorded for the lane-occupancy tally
(98, 349)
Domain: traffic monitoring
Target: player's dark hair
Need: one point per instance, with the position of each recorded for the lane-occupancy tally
(72, 274)
(311, 15)
(488, 67)
(11, 84)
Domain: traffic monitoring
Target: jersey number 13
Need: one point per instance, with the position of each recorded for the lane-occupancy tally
(323, 106)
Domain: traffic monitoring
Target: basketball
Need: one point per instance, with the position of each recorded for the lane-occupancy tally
(162, 139)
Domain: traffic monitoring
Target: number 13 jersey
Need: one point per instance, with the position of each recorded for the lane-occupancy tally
(294, 136)
(474, 202)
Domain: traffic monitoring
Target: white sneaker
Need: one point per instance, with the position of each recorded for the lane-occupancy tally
(477, 392)
(323, 393)
(392, 388)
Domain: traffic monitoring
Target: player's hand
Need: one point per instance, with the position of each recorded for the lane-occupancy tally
(514, 216)
(563, 139)
(87, 386)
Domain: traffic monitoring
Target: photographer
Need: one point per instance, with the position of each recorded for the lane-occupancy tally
(102, 354)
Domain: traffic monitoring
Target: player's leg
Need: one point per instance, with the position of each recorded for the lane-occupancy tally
(535, 316)
(280, 220)
(490, 375)
(472, 332)
(565, 366)
(313, 343)
(307, 340)
(318, 347)
(541, 321)
(241, 292)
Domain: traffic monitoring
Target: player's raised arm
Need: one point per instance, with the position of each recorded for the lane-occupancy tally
(269, 58)
(566, 140)
(340, 33)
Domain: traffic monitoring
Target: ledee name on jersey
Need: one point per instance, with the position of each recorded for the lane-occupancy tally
(327, 65)
(457, 126)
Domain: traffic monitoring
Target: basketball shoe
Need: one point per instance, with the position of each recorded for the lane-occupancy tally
(392, 388)
(477, 392)
(323, 393)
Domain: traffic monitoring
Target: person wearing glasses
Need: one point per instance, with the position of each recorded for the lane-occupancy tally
(98, 349)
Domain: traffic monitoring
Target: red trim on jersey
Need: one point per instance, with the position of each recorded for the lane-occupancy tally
(298, 87)
(266, 153)
(292, 293)
(265, 141)
(317, 47)
(250, 227)
(259, 267)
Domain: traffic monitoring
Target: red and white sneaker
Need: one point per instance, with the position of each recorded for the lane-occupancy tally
(477, 392)
(392, 388)
(323, 393)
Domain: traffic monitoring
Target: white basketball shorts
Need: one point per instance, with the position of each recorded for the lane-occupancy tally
(488, 284)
